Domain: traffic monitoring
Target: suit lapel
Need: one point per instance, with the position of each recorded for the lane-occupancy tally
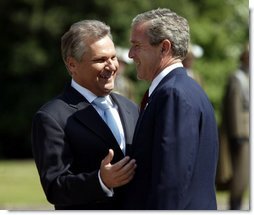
(173, 73)
(88, 116)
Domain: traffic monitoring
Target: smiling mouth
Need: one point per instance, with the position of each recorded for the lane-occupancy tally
(137, 63)
(106, 74)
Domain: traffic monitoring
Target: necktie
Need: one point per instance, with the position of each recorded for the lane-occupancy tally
(108, 117)
(144, 101)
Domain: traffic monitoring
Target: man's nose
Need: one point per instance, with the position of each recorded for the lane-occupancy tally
(130, 54)
(111, 64)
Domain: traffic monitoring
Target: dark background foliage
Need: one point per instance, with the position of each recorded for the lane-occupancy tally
(32, 70)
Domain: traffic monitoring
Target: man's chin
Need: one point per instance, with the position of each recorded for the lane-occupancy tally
(108, 90)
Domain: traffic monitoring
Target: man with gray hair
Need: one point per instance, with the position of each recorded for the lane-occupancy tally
(175, 143)
(81, 138)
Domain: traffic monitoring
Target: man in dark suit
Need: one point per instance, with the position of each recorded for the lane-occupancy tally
(175, 143)
(81, 164)
(235, 125)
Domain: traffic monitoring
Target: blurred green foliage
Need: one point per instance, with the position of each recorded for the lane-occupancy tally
(32, 70)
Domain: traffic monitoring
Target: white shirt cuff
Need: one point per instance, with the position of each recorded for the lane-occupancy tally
(109, 192)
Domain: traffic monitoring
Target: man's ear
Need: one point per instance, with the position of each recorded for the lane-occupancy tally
(71, 64)
(165, 46)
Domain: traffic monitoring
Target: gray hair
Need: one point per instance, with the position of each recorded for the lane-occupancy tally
(166, 24)
(73, 42)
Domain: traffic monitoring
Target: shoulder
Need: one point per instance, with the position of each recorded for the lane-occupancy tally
(53, 105)
(55, 109)
(182, 89)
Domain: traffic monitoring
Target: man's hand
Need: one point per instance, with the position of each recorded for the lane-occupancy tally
(119, 173)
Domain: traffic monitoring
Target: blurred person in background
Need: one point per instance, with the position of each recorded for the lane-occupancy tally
(175, 143)
(123, 84)
(236, 107)
(81, 160)
(194, 52)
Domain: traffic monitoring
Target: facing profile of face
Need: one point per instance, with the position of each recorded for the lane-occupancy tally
(98, 67)
(146, 56)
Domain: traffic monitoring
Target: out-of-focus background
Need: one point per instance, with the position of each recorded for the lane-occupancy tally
(32, 71)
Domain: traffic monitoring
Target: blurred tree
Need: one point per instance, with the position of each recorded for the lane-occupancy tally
(32, 70)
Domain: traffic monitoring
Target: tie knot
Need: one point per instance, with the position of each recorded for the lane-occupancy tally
(102, 103)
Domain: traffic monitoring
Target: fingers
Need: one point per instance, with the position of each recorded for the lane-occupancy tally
(128, 169)
(119, 173)
(119, 165)
(108, 158)
(126, 174)
(123, 171)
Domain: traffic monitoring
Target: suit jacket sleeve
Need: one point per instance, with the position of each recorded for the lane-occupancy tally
(53, 159)
(174, 152)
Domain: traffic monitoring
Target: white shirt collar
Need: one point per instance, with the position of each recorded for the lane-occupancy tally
(161, 75)
(86, 93)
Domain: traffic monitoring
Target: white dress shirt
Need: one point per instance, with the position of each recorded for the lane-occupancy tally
(161, 75)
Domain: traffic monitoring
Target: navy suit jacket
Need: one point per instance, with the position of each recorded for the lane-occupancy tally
(176, 148)
(69, 141)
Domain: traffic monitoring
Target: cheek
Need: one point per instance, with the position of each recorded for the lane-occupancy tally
(117, 65)
(149, 59)
(96, 69)
(89, 72)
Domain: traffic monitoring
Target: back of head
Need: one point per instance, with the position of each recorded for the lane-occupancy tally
(188, 60)
(244, 58)
(73, 42)
(166, 24)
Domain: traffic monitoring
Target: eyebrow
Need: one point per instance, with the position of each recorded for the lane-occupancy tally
(135, 41)
(103, 57)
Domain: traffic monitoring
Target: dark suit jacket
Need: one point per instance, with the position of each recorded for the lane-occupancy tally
(69, 141)
(175, 146)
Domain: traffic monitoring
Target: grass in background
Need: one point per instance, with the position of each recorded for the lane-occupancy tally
(223, 200)
(20, 187)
